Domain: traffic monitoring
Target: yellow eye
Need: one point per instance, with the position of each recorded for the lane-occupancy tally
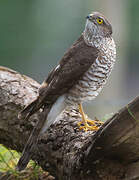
(99, 20)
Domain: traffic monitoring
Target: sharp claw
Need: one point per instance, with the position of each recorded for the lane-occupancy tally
(90, 125)
(87, 124)
(87, 128)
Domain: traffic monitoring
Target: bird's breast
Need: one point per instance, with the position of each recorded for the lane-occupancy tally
(92, 82)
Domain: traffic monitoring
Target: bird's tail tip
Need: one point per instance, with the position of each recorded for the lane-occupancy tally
(20, 166)
(24, 159)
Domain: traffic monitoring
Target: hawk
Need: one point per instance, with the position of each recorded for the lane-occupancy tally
(79, 76)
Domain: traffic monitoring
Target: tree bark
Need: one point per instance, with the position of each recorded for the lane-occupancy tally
(65, 151)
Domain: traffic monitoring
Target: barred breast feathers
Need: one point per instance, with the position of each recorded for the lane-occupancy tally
(95, 78)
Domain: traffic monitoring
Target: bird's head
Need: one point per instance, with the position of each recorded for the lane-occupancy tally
(97, 26)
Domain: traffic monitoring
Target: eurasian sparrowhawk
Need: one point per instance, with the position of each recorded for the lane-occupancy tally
(79, 76)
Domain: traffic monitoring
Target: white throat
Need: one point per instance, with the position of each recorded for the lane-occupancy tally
(90, 33)
(92, 37)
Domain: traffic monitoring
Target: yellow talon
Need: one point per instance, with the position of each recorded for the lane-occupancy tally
(87, 124)
(87, 128)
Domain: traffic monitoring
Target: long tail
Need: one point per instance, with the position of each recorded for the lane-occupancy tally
(32, 141)
(50, 112)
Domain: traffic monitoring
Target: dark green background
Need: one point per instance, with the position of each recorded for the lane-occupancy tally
(34, 34)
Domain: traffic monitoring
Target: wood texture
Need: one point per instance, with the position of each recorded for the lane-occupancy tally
(111, 153)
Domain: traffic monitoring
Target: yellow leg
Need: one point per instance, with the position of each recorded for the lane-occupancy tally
(87, 124)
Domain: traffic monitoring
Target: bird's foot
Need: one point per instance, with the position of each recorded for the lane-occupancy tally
(89, 125)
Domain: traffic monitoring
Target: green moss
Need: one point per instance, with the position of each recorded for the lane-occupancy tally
(8, 161)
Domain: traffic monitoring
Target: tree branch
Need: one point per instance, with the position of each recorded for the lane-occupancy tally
(64, 150)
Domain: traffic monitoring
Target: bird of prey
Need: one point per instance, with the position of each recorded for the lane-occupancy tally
(79, 76)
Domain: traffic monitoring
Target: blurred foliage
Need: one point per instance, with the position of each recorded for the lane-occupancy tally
(8, 161)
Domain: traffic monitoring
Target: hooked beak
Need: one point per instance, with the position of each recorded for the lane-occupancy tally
(88, 17)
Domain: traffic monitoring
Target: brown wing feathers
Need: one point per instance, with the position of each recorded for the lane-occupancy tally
(71, 68)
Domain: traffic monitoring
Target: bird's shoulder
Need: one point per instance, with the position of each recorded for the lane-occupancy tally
(75, 62)
(80, 51)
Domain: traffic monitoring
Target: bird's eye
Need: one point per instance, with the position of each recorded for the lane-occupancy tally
(99, 20)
